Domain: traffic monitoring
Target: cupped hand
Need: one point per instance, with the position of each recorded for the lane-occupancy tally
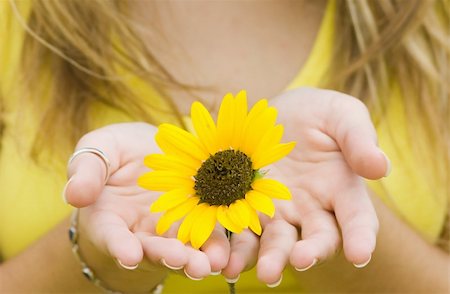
(115, 215)
(336, 148)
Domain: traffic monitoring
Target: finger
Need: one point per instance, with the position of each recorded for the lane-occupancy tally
(320, 239)
(243, 255)
(169, 252)
(349, 122)
(110, 232)
(276, 244)
(87, 171)
(121, 144)
(217, 248)
(198, 265)
(86, 182)
(358, 222)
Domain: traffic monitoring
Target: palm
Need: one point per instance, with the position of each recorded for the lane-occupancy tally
(315, 183)
(122, 198)
(335, 147)
(115, 215)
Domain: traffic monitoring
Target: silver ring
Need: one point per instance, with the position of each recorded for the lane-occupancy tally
(97, 152)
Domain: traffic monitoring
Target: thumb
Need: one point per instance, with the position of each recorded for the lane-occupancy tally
(89, 168)
(356, 136)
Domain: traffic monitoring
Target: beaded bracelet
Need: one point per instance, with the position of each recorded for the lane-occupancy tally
(85, 269)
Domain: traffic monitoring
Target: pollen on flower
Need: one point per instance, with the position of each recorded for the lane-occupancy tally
(224, 177)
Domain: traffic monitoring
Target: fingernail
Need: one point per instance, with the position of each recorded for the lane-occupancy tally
(276, 284)
(175, 268)
(388, 164)
(233, 280)
(128, 267)
(361, 265)
(216, 273)
(192, 278)
(313, 263)
(63, 195)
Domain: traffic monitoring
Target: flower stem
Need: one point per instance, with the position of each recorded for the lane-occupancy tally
(231, 286)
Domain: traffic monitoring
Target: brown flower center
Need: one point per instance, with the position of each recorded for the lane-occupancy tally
(224, 178)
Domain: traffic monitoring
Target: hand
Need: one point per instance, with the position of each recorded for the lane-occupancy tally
(115, 218)
(336, 146)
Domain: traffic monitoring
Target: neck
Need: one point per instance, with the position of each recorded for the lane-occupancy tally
(226, 46)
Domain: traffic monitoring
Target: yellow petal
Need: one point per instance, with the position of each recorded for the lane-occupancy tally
(256, 110)
(260, 202)
(254, 224)
(275, 153)
(259, 107)
(181, 140)
(256, 127)
(162, 180)
(184, 231)
(271, 138)
(172, 150)
(175, 214)
(202, 229)
(204, 127)
(238, 212)
(225, 122)
(272, 188)
(172, 163)
(171, 199)
(240, 114)
(225, 221)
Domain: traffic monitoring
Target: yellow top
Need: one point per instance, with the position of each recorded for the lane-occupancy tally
(30, 202)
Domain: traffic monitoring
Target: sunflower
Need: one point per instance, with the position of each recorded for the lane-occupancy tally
(215, 173)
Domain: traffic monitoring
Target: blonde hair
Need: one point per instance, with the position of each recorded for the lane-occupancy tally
(73, 40)
(84, 43)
